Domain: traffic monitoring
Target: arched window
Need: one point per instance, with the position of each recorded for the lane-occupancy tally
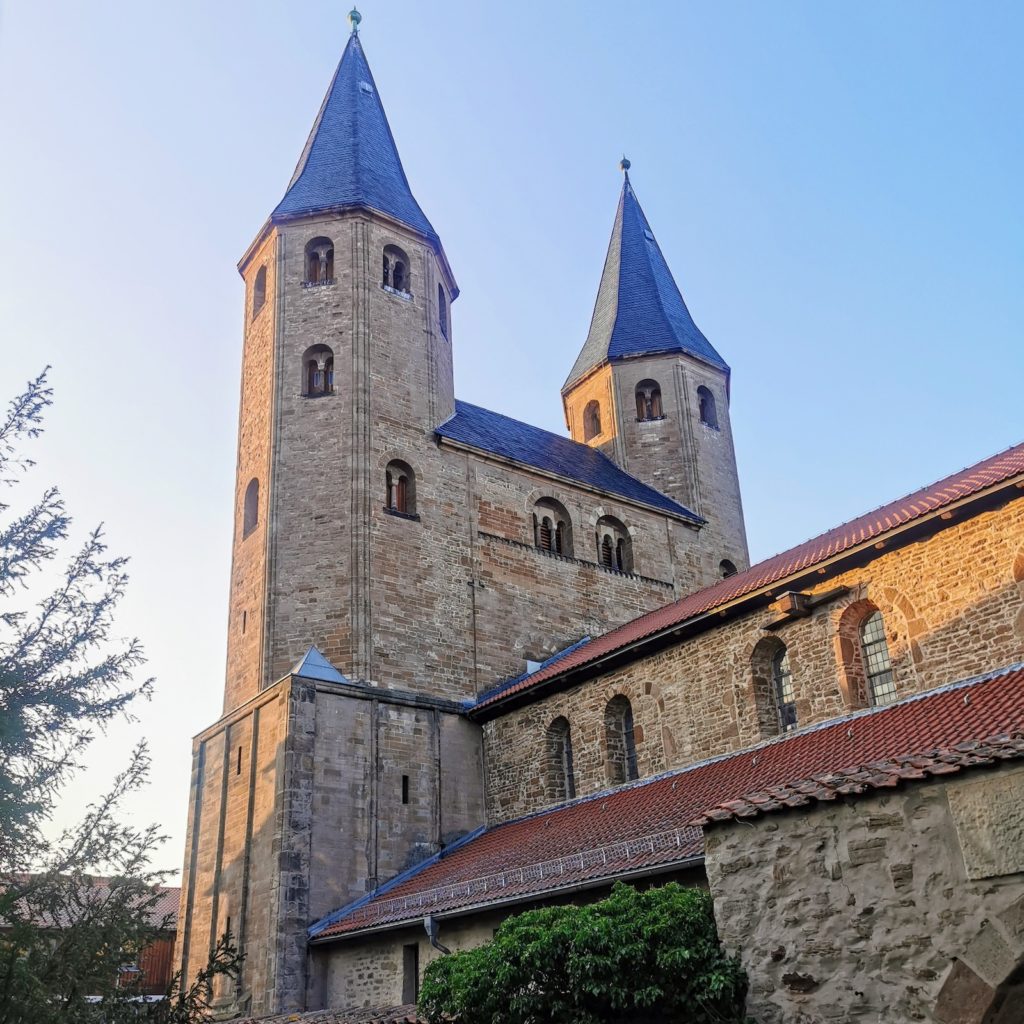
(400, 484)
(591, 420)
(621, 741)
(614, 545)
(442, 310)
(726, 568)
(259, 290)
(708, 412)
(774, 695)
(396, 269)
(319, 261)
(877, 664)
(648, 401)
(552, 529)
(557, 769)
(251, 507)
(317, 371)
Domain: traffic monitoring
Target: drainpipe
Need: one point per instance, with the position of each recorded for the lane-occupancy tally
(431, 927)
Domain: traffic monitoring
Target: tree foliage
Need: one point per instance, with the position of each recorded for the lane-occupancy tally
(75, 909)
(650, 955)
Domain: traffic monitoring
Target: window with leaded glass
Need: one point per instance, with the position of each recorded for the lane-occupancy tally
(782, 681)
(877, 665)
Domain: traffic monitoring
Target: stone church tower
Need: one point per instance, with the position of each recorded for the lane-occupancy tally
(652, 393)
(397, 553)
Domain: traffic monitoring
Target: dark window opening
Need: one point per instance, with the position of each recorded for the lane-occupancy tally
(245, 619)
(551, 528)
(251, 507)
(410, 973)
(442, 310)
(238, 763)
(318, 371)
(558, 767)
(259, 290)
(396, 270)
(782, 681)
(591, 420)
(726, 568)
(614, 545)
(706, 403)
(400, 488)
(648, 401)
(405, 789)
(620, 737)
(319, 262)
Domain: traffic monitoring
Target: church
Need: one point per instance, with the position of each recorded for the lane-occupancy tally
(474, 666)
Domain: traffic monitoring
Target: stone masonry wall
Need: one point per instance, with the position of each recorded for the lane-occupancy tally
(907, 906)
(953, 606)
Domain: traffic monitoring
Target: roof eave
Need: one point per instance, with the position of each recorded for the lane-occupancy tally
(519, 899)
(695, 523)
(907, 533)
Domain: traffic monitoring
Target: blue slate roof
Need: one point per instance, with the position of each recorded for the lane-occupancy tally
(511, 439)
(313, 665)
(507, 684)
(350, 158)
(639, 309)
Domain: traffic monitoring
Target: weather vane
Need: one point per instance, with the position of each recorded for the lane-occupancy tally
(354, 17)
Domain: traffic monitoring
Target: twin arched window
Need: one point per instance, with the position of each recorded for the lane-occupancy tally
(614, 546)
(591, 420)
(706, 405)
(648, 401)
(552, 528)
(620, 738)
(319, 261)
(251, 507)
(442, 311)
(259, 290)
(318, 371)
(395, 269)
(557, 767)
(400, 484)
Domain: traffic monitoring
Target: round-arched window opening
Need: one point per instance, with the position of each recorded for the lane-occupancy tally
(614, 545)
(400, 487)
(251, 507)
(591, 420)
(319, 262)
(318, 371)
(648, 401)
(708, 410)
(396, 274)
(726, 568)
(552, 528)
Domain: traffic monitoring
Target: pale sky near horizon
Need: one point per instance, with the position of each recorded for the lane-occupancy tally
(837, 189)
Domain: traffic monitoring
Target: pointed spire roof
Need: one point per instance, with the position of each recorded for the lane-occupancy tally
(313, 665)
(639, 308)
(350, 158)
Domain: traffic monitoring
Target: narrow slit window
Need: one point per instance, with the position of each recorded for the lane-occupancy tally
(405, 789)
(238, 762)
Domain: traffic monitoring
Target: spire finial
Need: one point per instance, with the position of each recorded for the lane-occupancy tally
(625, 165)
(354, 17)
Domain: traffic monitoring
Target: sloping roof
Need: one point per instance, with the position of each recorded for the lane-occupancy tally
(500, 435)
(94, 892)
(866, 778)
(650, 824)
(350, 158)
(313, 665)
(639, 308)
(870, 527)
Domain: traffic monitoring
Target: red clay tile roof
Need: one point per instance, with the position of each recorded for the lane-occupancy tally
(649, 824)
(872, 776)
(995, 470)
(373, 1015)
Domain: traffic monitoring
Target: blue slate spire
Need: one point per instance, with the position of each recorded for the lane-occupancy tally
(639, 309)
(350, 158)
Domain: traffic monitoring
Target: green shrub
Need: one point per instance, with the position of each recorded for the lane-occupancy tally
(650, 956)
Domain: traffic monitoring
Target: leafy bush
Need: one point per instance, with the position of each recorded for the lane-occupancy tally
(651, 956)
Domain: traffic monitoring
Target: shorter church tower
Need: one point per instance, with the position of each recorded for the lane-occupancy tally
(650, 391)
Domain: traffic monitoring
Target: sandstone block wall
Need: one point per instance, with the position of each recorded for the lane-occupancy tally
(885, 908)
(953, 606)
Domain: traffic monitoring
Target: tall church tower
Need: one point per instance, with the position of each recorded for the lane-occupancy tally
(346, 371)
(650, 391)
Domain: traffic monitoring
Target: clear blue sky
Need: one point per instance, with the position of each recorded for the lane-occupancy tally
(837, 188)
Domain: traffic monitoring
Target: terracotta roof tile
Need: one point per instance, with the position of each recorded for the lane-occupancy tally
(650, 824)
(873, 525)
(364, 1015)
